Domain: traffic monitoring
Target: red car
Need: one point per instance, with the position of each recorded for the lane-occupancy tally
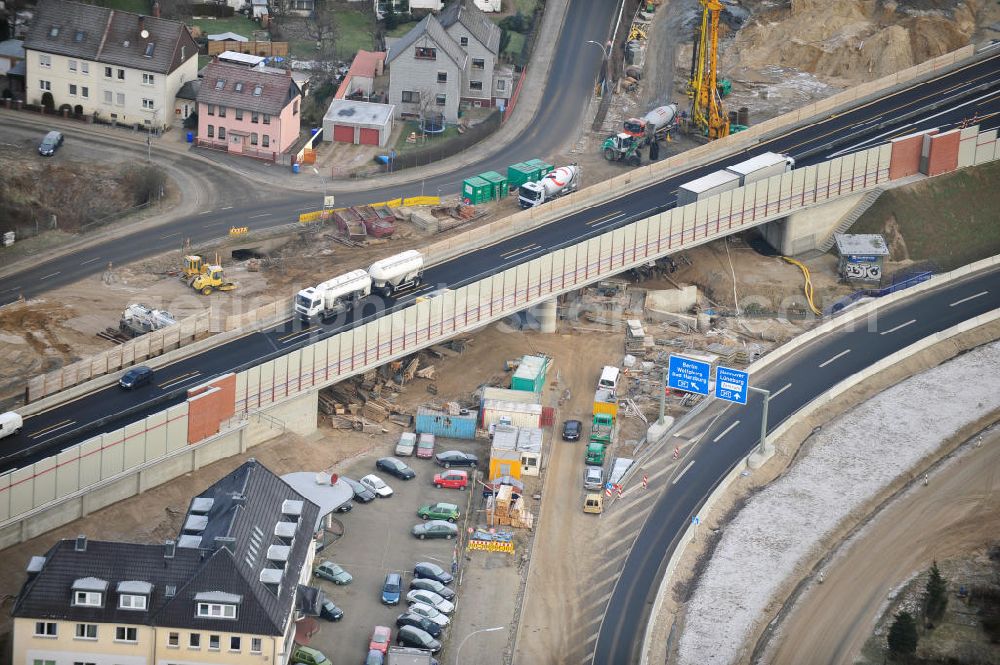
(380, 639)
(453, 479)
(425, 446)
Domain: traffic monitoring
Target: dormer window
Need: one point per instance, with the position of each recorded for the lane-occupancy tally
(217, 604)
(87, 599)
(217, 610)
(127, 601)
(89, 592)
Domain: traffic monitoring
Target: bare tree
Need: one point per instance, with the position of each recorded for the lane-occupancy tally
(324, 30)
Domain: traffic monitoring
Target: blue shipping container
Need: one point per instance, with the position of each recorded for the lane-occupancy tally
(441, 423)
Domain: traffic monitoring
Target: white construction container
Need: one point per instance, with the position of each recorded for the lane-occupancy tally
(761, 167)
(397, 273)
(706, 186)
(518, 414)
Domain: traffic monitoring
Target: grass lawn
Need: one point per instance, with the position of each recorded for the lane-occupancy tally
(526, 7)
(357, 31)
(403, 147)
(213, 26)
(515, 45)
(135, 6)
(400, 30)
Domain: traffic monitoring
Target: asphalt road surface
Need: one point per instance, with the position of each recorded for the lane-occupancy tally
(571, 77)
(69, 424)
(793, 383)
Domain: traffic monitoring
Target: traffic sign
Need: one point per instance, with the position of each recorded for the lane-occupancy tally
(689, 375)
(731, 384)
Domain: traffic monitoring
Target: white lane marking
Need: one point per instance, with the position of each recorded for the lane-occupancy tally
(264, 214)
(522, 251)
(90, 261)
(957, 302)
(681, 475)
(170, 236)
(726, 431)
(52, 275)
(204, 212)
(227, 208)
(787, 386)
(900, 326)
(13, 288)
(609, 220)
(839, 355)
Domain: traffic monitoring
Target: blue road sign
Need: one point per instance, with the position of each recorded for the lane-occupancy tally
(688, 375)
(731, 384)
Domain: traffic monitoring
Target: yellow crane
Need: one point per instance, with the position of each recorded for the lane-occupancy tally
(706, 103)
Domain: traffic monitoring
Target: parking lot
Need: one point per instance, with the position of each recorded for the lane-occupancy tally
(377, 541)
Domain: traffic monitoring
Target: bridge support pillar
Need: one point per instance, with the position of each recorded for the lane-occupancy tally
(547, 314)
(806, 230)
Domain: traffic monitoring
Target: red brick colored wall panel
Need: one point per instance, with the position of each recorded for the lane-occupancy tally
(905, 159)
(227, 395)
(203, 415)
(944, 153)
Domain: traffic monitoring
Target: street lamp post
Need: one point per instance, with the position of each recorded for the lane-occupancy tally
(475, 632)
(322, 179)
(606, 51)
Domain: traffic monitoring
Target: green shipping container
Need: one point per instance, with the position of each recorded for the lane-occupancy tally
(475, 190)
(518, 174)
(530, 374)
(498, 184)
(543, 168)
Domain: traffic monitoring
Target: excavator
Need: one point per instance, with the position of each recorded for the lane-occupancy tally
(204, 277)
(707, 112)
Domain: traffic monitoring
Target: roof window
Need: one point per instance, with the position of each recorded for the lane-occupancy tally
(54, 31)
(220, 84)
(239, 86)
(149, 49)
(257, 90)
(78, 37)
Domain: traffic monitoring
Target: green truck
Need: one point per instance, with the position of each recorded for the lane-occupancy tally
(602, 432)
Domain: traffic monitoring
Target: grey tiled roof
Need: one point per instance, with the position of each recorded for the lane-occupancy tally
(429, 26)
(12, 48)
(109, 36)
(240, 528)
(474, 20)
(277, 88)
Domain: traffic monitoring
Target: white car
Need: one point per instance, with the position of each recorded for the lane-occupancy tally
(432, 599)
(593, 477)
(377, 485)
(429, 612)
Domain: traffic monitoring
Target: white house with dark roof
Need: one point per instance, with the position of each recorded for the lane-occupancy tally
(123, 66)
(446, 61)
(231, 588)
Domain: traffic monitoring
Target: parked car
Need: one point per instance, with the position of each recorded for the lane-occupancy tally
(432, 599)
(377, 485)
(432, 571)
(425, 446)
(380, 638)
(493, 486)
(50, 144)
(361, 493)
(328, 570)
(393, 466)
(450, 458)
(571, 430)
(593, 477)
(309, 656)
(453, 479)
(392, 589)
(432, 585)
(136, 377)
(374, 657)
(411, 636)
(426, 611)
(330, 612)
(435, 529)
(448, 512)
(407, 442)
(423, 623)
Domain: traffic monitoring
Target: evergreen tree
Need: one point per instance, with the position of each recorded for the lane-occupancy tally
(903, 635)
(935, 595)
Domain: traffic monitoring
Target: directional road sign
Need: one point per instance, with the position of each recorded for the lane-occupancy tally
(731, 384)
(689, 375)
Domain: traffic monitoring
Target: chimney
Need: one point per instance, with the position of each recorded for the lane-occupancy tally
(169, 547)
(156, 9)
(142, 22)
(81, 543)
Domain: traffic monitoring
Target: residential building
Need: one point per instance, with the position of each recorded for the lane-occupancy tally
(122, 66)
(12, 68)
(360, 79)
(400, 6)
(227, 590)
(250, 110)
(453, 54)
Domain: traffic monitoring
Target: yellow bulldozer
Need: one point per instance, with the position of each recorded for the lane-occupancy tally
(204, 277)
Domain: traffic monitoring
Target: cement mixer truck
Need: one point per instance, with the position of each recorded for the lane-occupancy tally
(332, 296)
(397, 273)
(654, 126)
(562, 180)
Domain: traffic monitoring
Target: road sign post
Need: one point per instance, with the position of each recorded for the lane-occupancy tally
(689, 375)
(763, 418)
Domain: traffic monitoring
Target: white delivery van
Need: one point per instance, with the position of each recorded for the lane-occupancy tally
(10, 424)
(609, 379)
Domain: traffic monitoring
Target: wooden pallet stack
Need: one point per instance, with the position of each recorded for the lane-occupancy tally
(505, 510)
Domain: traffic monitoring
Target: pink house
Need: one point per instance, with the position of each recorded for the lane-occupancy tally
(246, 110)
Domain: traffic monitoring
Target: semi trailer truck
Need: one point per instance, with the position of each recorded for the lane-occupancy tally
(397, 273)
(333, 296)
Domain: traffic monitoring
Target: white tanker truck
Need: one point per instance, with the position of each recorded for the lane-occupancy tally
(562, 180)
(397, 273)
(332, 296)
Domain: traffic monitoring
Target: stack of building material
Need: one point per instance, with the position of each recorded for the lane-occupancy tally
(504, 510)
(726, 352)
(424, 220)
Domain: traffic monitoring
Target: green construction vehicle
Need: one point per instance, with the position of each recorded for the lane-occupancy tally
(595, 453)
(622, 147)
(602, 433)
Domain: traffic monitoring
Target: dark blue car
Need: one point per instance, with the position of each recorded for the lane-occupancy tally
(392, 589)
(135, 377)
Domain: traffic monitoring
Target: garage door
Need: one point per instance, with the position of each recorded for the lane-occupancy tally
(369, 136)
(343, 133)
